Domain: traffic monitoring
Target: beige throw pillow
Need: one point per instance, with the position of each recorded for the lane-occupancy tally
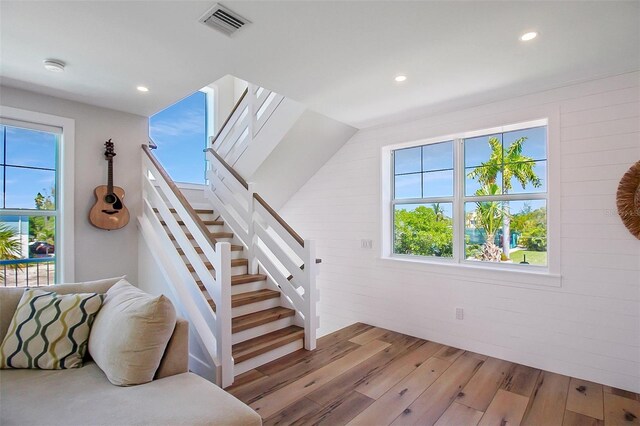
(130, 334)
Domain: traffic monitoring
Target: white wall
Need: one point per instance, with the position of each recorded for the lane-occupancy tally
(311, 141)
(98, 253)
(589, 327)
(228, 90)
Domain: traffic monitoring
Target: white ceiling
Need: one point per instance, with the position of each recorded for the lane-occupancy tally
(339, 58)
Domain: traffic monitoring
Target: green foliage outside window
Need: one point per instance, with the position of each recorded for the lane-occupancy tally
(423, 231)
(532, 227)
(43, 228)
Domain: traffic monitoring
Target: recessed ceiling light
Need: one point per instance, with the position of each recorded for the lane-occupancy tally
(528, 36)
(142, 89)
(53, 65)
(400, 78)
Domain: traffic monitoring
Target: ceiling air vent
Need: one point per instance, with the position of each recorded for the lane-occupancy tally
(224, 20)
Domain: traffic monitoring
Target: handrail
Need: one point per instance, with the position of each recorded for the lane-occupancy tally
(235, 107)
(174, 188)
(279, 219)
(229, 168)
(258, 198)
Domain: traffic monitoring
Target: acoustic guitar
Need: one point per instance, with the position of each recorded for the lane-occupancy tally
(109, 212)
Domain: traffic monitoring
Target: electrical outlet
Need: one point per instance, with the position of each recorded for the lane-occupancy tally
(366, 244)
(459, 313)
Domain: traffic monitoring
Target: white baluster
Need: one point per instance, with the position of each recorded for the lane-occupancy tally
(251, 240)
(310, 295)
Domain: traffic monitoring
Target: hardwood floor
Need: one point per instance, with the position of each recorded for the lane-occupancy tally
(363, 375)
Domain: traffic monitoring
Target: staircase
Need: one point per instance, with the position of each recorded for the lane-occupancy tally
(243, 277)
(259, 324)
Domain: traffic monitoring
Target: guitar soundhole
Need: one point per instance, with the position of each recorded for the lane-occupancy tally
(110, 198)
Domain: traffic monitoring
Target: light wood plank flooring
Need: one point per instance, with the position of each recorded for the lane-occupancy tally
(363, 375)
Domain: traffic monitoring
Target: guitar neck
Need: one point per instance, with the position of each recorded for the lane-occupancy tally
(110, 177)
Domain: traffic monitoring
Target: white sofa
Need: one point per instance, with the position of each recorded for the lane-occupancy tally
(84, 396)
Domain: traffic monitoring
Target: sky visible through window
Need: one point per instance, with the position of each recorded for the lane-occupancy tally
(180, 132)
(28, 164)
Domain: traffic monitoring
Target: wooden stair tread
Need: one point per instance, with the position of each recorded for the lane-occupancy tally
(199, 211)
(247, 278)
(242, 298)
(257, 346)
(206, 222)
(253, 297)
(234, 247)
(255, 319)
(213, 235)
(208, 265)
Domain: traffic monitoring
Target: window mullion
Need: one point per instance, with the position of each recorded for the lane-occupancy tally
(458, 205)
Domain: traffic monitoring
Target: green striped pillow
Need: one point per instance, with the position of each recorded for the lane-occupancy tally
(49, 331)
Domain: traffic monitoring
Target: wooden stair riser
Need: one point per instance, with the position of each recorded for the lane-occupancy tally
(250, 364)
(244, 308)
(245, 288)
(255, 307)
(235, 270)
(235, 290)
(212, 228)
(260, 330)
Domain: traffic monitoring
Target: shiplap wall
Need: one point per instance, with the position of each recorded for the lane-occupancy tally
(589, 327)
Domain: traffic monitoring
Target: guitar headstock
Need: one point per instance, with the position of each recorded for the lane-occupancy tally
(109, 151)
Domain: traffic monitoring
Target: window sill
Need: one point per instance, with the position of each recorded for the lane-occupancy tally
(499, 275)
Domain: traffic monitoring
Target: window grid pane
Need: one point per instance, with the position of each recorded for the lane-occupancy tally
(423, 229)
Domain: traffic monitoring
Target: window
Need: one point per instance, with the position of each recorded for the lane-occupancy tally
(29, 207)
(423, 204)
(180, 132)
(478, 197)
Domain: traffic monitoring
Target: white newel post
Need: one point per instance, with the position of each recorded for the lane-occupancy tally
(222, 266)
(253, 263)
(310, 295)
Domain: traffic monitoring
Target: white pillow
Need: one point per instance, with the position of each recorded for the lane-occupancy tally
(130, 334)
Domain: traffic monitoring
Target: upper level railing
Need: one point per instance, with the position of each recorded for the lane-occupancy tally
(164, 205)
(245, 121)
(288, 259)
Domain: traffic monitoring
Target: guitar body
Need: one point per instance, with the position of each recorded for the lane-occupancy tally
(109, 213)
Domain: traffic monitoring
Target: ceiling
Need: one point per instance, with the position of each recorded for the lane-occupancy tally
(338, 58)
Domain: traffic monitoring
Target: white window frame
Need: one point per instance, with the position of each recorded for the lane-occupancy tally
(65, 263)
(549, 274)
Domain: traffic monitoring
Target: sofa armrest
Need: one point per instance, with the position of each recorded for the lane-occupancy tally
(176, 357)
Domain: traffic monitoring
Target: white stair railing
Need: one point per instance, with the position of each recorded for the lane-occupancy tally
(213, 327)
(272, 245)
(244, 123)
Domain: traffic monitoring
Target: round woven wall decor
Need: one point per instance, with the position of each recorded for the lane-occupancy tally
(628, 199)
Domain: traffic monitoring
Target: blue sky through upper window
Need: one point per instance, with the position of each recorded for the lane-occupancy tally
(180, 131)
(424, 171)
(27, 166)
